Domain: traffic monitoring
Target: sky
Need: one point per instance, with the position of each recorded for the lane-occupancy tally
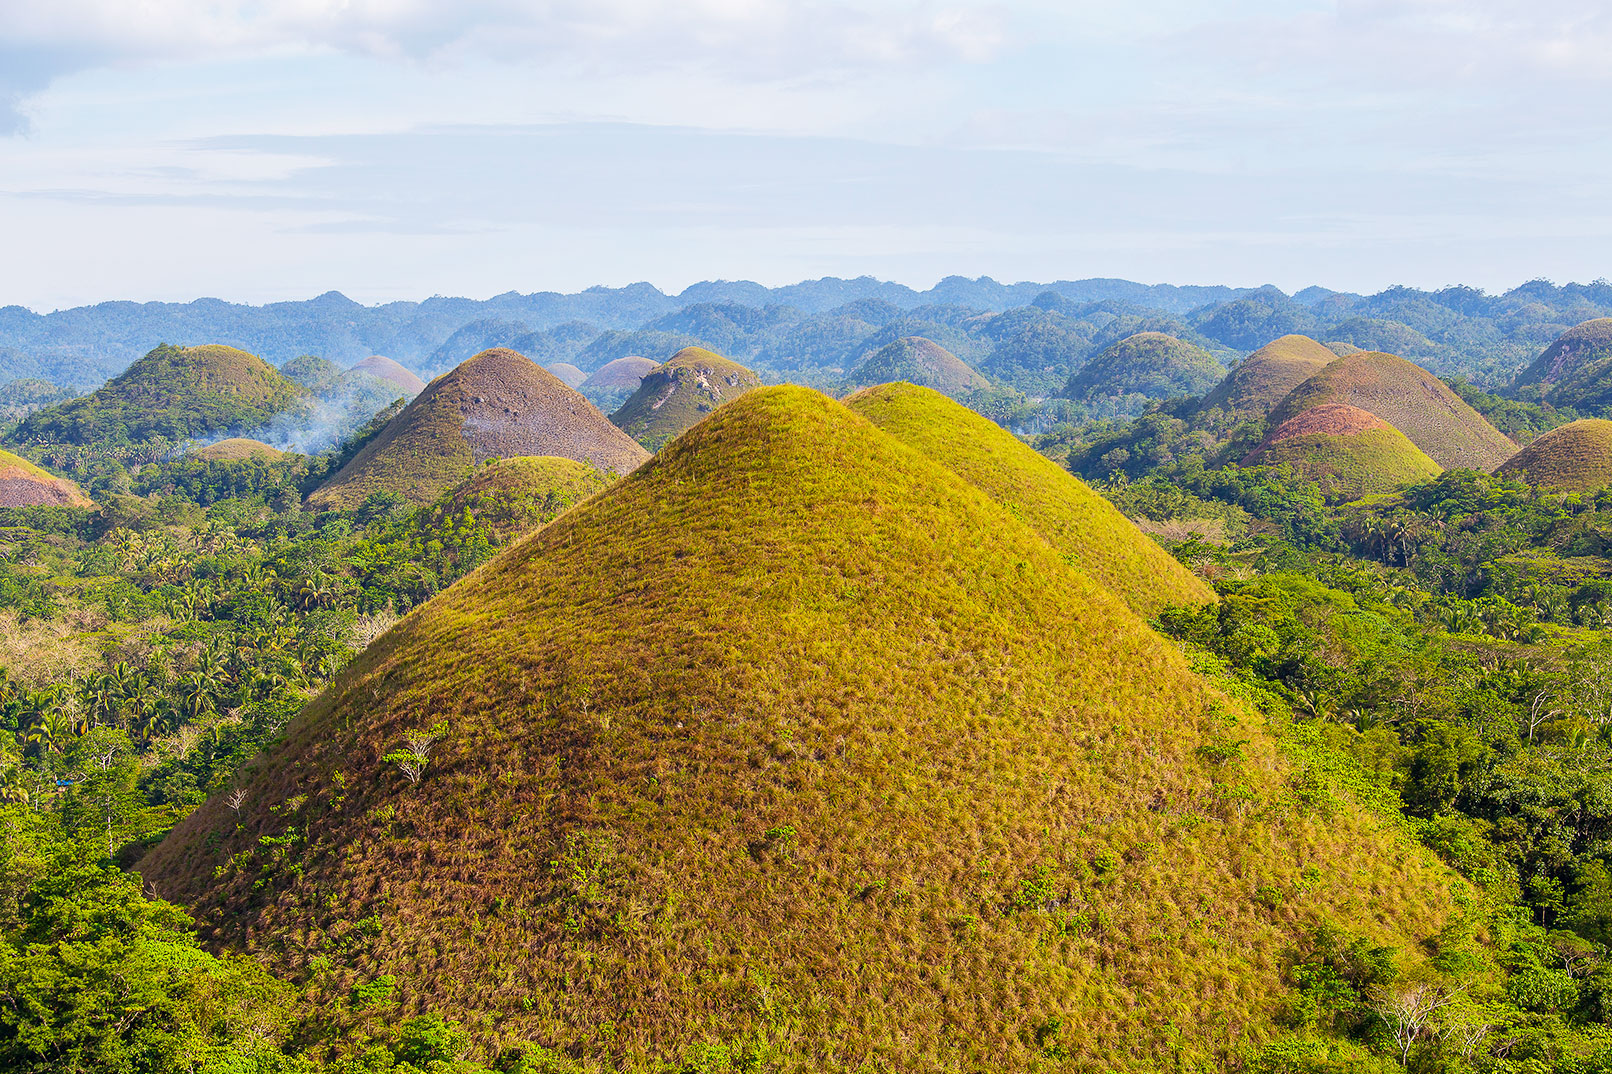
(396, 149)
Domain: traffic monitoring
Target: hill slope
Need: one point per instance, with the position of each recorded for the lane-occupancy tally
(1264, 378)
(235, 449)
(22, 484)
(1576, 369)
(520, 494)
(1081, 525)
(570, 374)
(498, 404)
(794, 751)
(918, 361)
(1410, 399)
(383, 368)
(679, 392)
(1151, 364)
(1350, 453)
(173, 392)
(623, 373)
(1576, 456)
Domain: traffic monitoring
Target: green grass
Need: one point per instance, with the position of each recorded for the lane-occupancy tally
(794, 749)
(520, 494)
(1353, 465)
(1264, 378)
(173, 392)
(675, 395)
(1576, 457)
(1085, 528)
(498, 404)
(918, 361)
(1410, 399)
(1148, 363)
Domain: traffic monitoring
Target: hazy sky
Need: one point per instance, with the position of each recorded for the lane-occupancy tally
(402, 148)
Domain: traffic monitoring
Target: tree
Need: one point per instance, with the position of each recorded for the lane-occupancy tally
(107, 768)
(415, 753)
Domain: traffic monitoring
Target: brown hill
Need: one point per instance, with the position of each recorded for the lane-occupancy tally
(623, 373)
(499, 404)
(235, 449)
(383, 368)
(1576, 369)
(1264, 378)
(570, 374)
(920, 361)
(1347, 451)
(675, 395)
(22, 484)
(1410, 399)
(795, 751)
(1576, 457)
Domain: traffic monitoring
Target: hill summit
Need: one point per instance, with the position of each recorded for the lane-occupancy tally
(1576, 369)
(918, 361)
(1576, 457)
(22, 484)
(498, 404)
(1149, 364)
(679, 392)
(383, 368)
(173, 392)
(794, 750)
(1347, 451)
(1264, 378)
(1410, 399)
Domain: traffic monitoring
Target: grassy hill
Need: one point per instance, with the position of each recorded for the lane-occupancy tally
(1576, 456)
(623, 373)
(570, 374)
(793, 750)
(523, 493)
(498, 404)
(172, 392)
(1149, 364)
(918, 361)
(22, 484)
(1264, 378)
(1350, 453)
(1576, 369)
(1085, 528)
(383, 368)
(236, 448)
(676, 394)
(312, 372)
(1410, 399)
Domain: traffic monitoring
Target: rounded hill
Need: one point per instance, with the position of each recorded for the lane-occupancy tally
(1349, 452)
(520, 494)
(22, 484)
(498, 404)
(235, 449)
(615, 376)
(675, 395)
(1264, 378)
(570, 374)
(795, 745)
(312, 372)
(921, 361)
(1086, 529)
(383, 368)
(1149, 364)
(1410, 399)
(173, 392)
(1576, 457)
(1576, 369)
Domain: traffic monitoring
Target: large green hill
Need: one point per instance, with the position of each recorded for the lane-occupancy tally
(795, 751)
(498, 404)
(173, 392)
(1264, 378)
(1576, 369)
(1087, 529)
(1149, 364)
(918, 361)
(1410, 399)
(1347, 451)
(1576, 456)
(679, 392)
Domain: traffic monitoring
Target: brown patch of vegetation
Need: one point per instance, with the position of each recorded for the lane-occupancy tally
(22, 484)
(1264, 378)
(1576, 457)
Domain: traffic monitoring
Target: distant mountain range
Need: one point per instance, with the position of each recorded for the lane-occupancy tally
(829, 323)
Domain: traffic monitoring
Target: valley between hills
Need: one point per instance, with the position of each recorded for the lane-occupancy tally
(1068, 677)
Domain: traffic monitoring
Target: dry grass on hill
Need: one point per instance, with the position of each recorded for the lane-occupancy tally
(1350, 453)
(1576, 457)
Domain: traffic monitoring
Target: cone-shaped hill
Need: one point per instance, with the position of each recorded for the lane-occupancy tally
(1576, 457)
(1264, 378)
(570, 374)
(1086, 529)
(237, 448)
(383, 368)
(521, 494)
(22, 484)
(917, 360)
(172, 392)
(679, 392)
(1410, 399)
(1576, 369)
(1348, 452)
(623, 374)
(1151, 364)
(499, 404)
(795, 744)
